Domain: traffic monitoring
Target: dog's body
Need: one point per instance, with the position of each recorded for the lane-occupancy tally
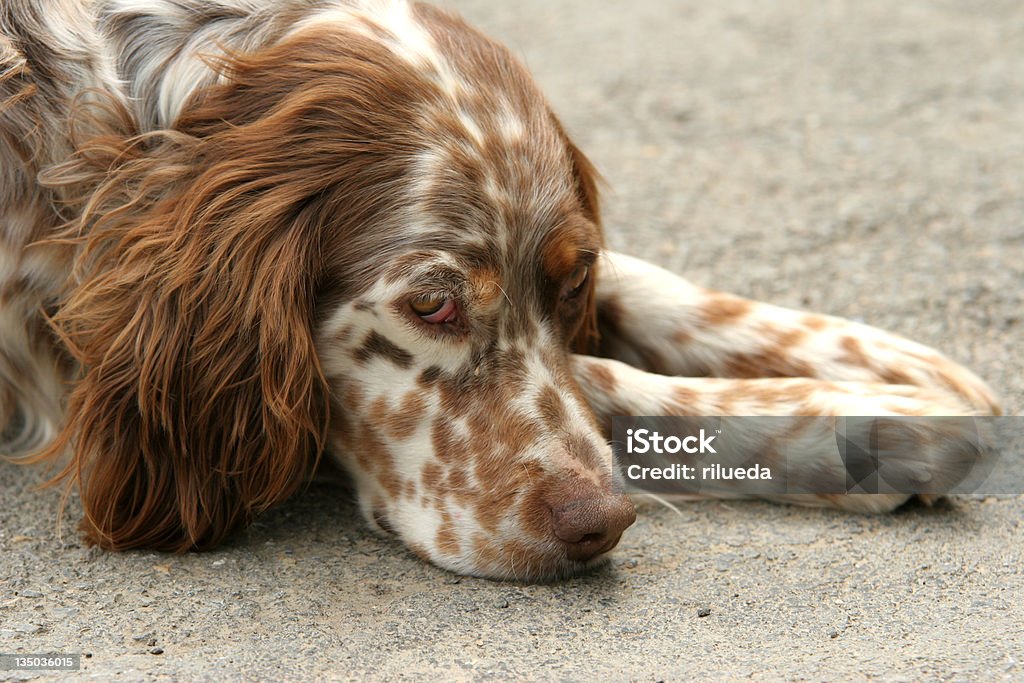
(236, 234)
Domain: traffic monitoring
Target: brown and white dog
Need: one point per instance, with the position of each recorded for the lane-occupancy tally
(238, 234)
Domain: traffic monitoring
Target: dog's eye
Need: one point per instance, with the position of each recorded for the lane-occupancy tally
(435, 308)
(576, 280)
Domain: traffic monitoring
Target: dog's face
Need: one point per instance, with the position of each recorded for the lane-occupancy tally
(452, 402)
(372, 238)
(451, 398)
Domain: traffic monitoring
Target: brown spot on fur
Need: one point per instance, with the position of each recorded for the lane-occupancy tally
(377, 344)
(722, 309)
(489, 514)
(487, 287)
(487, 553)
(353, 397)
(403, 422)
(499, 466)
(767, 363)
(344, 335)
(769, 393)
(853, 353)
(376, 457)
(458, 483)
(457, 400)
(432, 501)
(447, 542)
(448, 446)
(685, 400)
(552, 412)
(815, 323)
(513, 432)
(442, 437)
(523, 477)
(894, 376)
(602, 377)
(430, 376)
(787, 340)
(583, 451)
(379, 411)
(431, 477)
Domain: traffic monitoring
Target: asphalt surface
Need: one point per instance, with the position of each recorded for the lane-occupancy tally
(864, 159)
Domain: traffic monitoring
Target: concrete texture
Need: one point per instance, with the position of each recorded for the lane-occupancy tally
(864, 159)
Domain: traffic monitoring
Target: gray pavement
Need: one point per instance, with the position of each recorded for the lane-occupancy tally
(864, 159)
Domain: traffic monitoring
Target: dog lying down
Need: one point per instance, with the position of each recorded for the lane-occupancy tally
(237, 236)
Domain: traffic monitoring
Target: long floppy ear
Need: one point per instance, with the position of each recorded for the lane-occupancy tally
(587, 180)
(200, 400)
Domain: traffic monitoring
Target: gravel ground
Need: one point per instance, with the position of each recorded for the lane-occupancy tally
(862, 159)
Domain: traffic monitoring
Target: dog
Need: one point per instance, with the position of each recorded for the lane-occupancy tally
(236, 235)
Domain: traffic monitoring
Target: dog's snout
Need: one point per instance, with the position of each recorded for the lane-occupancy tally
(589, 521)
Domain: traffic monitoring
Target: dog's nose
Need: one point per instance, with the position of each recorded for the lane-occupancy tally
(589, 521)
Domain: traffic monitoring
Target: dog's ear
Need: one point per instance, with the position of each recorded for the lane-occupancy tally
(200, 400)
(587, 181)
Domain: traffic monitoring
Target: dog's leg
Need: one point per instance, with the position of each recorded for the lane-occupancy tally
(717, 354)
(935, 451)
(661, 323)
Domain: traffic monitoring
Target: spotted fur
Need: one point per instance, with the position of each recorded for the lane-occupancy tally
(221, 220)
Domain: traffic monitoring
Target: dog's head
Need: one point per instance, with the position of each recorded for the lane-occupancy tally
(370, 237)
